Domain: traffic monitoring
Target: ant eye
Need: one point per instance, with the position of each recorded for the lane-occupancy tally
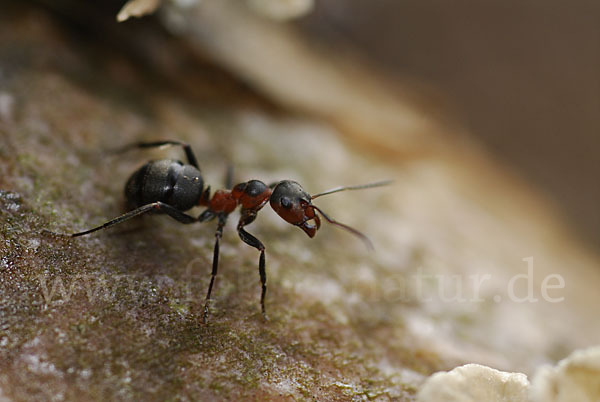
(285, 202)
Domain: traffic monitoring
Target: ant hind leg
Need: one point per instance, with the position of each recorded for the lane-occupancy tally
(153, 207)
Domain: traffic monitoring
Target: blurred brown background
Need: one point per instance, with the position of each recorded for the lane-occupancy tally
(524, 77)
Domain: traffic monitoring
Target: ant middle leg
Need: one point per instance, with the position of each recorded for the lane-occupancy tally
(153, 207)
(189, 153)
(215, 264)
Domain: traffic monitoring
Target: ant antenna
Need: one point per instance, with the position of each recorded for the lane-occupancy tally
(358, 187)
(350, 229)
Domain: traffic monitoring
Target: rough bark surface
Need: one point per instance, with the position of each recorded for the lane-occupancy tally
(117, 315)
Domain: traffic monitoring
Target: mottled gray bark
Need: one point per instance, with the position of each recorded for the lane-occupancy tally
(117, 314)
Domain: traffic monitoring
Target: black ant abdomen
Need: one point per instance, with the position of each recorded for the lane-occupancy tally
(165, 180)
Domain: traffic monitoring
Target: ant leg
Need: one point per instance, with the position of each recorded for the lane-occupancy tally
(206, 216)
(254, 242)
(155, 144)
(247, 218)
(155, 206)
(215, 264)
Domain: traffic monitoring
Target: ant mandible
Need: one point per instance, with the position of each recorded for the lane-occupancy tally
(171, 187)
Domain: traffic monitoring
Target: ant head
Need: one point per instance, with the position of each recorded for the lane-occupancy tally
(293, 204)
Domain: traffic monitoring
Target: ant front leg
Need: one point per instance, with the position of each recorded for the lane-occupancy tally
(157, 144)
(248, 217)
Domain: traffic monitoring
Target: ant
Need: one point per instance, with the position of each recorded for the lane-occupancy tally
(171, 187)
